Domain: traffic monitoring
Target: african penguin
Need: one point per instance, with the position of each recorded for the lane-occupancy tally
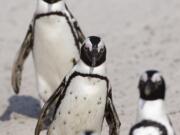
(55, 40)
(152, 117)
(84, 97)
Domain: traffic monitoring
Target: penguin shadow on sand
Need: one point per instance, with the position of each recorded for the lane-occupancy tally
(23, 105)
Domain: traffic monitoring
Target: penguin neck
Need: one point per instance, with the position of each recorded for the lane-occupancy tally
(44, 7)
(153, 110)
(83, 68)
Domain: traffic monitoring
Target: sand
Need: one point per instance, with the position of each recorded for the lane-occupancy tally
(139, 35)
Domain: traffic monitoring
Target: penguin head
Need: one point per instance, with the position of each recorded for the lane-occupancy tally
(152, 85)
(51, 1)
(93, 51)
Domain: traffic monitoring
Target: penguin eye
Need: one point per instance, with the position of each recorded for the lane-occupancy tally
(158, 83)
(101, 50)
(86, 48)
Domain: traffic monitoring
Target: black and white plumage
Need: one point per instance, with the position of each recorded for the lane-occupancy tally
(152, 117)
(84, 97)
(55, 39)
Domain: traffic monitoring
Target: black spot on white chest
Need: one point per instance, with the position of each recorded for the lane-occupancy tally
(85, 90)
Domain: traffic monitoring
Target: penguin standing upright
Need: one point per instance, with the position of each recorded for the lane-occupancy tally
(152, 117)
(54, 38)
(84, 97)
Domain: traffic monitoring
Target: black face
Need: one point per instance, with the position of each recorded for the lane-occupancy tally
(93, 52)
(51, 1)
(152, 86)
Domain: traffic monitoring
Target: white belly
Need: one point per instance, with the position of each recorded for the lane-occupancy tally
(54, 51)
(155, 111)
(147, 131)
(82, 108)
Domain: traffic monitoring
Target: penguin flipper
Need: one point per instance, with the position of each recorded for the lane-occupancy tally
(47, 106)
(171, 125)
(23, 53)
(81, 36)
(112, 116)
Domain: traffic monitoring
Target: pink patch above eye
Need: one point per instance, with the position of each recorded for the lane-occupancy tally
(89, 46)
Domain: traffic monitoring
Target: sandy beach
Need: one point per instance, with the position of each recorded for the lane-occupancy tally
(139, 35)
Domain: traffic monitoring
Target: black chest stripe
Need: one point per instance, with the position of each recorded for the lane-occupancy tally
(77, 42)
(75, 74)
(48, 14)
(149, 123)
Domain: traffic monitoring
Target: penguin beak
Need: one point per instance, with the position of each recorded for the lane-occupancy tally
(93, 64)
(148, 89)
(94, 59)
